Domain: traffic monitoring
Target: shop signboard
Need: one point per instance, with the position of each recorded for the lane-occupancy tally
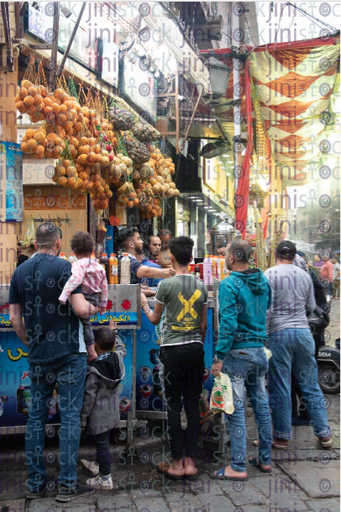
(11, 173)
(108, 62)
(139, 85)
(84, 46)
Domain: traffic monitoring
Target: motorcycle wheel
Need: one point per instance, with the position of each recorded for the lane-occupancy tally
(329, 379)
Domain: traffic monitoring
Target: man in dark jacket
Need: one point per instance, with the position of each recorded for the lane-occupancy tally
(244, 298)
(101, 401)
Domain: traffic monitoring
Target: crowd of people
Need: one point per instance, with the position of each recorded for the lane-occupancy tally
(50, 306)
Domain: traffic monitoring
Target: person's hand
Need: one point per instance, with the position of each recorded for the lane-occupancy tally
(102, 310)
(169, 272)
(92, 354)
(216, 369)
(112, 325)
(144, 302)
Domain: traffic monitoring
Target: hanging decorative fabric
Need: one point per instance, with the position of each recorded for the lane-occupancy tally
(294, 85)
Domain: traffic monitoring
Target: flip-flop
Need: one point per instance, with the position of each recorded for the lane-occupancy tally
(255, 463)
(327, 442)
(163, 468)
(220, 475)
(192, 477)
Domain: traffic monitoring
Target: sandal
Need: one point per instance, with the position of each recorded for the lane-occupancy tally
(220, 475)
(256, 464)
(163, 468)
(193, 477)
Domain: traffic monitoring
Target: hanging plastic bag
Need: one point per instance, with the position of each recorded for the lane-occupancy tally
(222, 395)
(204, 407)
(30, 234)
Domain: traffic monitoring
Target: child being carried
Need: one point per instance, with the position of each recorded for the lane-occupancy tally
(88, 273)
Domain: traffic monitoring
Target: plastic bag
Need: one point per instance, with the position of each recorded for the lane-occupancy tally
(222, 395)
(204, 406)
(30, 235)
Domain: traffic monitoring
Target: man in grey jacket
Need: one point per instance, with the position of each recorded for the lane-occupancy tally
(101, 401)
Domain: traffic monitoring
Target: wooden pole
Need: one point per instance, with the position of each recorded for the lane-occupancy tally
(54, 50)
(67, 51)
(177, 120)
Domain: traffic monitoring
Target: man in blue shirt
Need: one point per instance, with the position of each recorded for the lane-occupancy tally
(131, 242)
(57, 354)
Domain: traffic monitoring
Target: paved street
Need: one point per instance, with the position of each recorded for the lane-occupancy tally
(305, 477)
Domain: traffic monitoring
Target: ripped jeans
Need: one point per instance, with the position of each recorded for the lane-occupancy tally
(247, 367)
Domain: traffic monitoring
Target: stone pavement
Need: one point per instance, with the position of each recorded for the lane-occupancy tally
(304, 477)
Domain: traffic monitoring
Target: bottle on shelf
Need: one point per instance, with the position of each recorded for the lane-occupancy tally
(72, 258)
(222, 268)
(104, 262)
(113, 269)
(125, 269)
(208, 278)
(62, 255)
(197, 272)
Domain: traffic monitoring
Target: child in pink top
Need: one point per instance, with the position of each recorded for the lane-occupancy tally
(88, 273)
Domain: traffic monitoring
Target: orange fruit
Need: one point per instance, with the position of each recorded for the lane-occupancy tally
(20, 105)
(92, 141)
(25, 148)
(82, 159)
(63, 109)
(48, 101)
(56, 108)
(28, 101)
(60, 93)
(61, 119)
(71, 182)
(32, 143)
(62, 181)
(40, 151)
(40, 136)
(38, 100)
(55, 178)
(32, 91)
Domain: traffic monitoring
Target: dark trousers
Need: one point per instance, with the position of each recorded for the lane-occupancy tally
(89, 337)
(103, 453)
(183, 376)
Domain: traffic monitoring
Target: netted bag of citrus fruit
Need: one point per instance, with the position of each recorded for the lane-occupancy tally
(120, 118)
(33, 142)
(127, 195)
(144, 132)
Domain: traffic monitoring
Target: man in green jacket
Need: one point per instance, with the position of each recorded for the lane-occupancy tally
(244, 298)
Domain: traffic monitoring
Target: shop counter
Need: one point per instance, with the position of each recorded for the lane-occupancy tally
(123, 306)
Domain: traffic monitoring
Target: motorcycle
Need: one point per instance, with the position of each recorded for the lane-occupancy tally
(328, 362)
(328, 358)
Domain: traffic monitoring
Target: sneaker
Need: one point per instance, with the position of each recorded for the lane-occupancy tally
(100, 484)
(66, 494)
(326, 442)
(31, 495)
(90, 466)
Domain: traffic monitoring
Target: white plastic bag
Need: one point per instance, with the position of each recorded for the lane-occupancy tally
(222, 395)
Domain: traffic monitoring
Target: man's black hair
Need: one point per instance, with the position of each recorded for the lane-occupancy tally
(242, 250)
(46, 235)
(149, 241)
(105, 338)
(82, 243)
(164, 232)
(124, 235)
(182, 248)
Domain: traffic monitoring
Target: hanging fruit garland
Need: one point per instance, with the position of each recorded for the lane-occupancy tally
(98, 146)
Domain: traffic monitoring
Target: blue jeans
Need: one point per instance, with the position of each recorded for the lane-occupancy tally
(293, 350)
(247, 367)
(69, 373)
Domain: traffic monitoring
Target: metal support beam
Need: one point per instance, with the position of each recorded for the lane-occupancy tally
(177, 114)
(54, 52)
(67, 51)
(8, 37)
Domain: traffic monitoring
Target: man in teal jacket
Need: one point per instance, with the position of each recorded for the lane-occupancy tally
(244, 298)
